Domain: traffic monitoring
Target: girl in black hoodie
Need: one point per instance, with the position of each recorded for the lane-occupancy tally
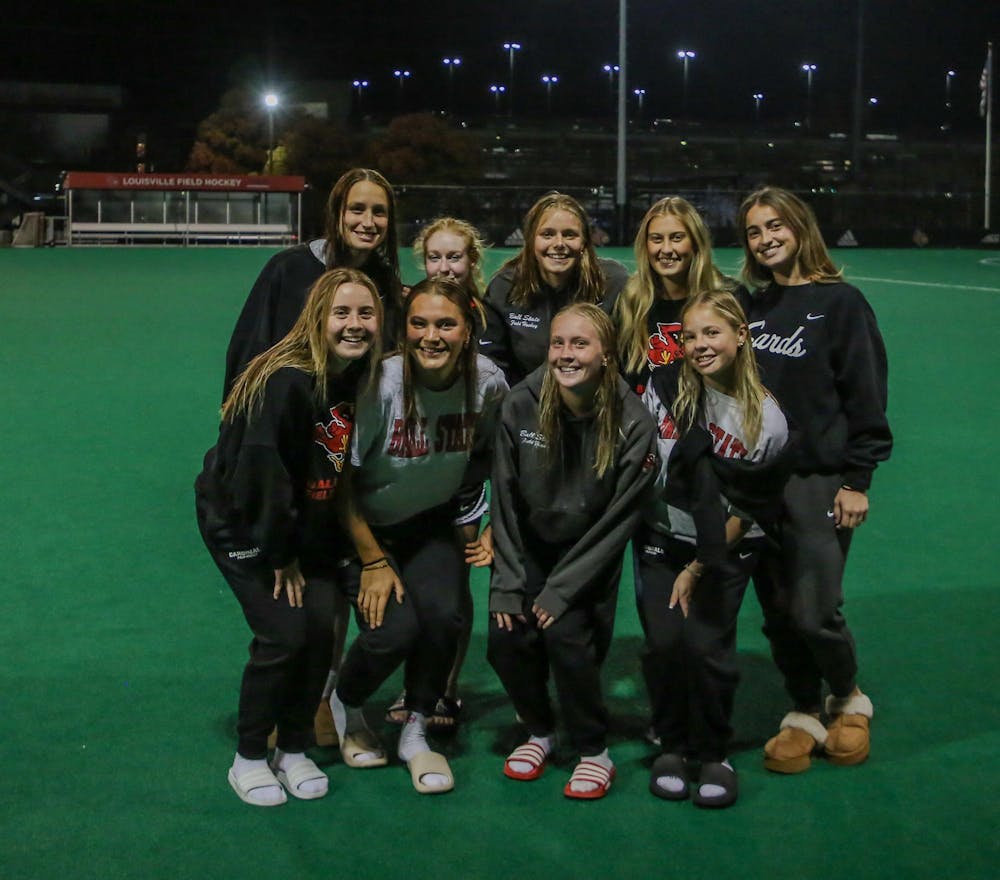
(821, 353)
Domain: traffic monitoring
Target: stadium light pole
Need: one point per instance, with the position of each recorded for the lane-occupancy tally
(809, 69)
(686, 55)
(497, 92)
(640, 94)
(611, 70)
(511, 48)
(451, 64)
(271, 101)
(948, 77)
(621, 184)
(872, 104)
(359, 86)
(549, 81)
(401, 77)
(757, 98)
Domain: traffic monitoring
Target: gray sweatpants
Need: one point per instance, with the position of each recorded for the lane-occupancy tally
(800, 590)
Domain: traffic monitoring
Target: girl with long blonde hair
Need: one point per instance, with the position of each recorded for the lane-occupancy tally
(722, 442)
(673, 257)
(574, 455)
(266, 511)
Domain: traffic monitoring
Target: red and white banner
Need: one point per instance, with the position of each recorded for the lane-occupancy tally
(131, 180)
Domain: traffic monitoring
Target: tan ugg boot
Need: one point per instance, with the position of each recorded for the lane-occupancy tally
(848, 738)
(791, 750)
(326, 733)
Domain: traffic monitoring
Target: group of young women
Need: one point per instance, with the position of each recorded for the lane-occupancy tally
(361, 422)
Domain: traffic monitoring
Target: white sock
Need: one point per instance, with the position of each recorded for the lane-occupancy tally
(604, 759)
(331, 683)
(413, 741)
(286, 760)
(349, 720)
(713, 791)
(673, 784)
(267, 794)
(546, 743)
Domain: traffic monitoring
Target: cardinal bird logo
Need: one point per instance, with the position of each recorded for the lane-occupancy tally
(664, 345)
(336, 434)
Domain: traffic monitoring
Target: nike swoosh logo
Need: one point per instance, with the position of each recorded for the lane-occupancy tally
(812, 317)
(483, 342)
(745, 555)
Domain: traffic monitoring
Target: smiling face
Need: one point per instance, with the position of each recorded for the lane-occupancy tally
(436, 335)
(351, 325)
(558, 246)
(365, 219)
(670, 250)
(773, 244)
(711, 346)
(576, 360)
(446, 254)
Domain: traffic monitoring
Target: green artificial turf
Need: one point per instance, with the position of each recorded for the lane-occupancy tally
(122, 645)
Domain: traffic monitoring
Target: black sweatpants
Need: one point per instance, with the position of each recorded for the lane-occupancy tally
(573, 648)
(290, 651)
(423, 630)
(800, 590)
(690, 664)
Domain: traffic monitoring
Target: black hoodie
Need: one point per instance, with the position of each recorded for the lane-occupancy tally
(822, 356)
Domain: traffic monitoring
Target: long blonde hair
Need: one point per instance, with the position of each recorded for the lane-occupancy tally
(305, 347)
(814, 259)
(748, 390)
(589, 280)
(607, 403)
(636, 300)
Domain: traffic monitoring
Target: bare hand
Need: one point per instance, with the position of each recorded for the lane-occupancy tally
(479, 552)
(684, 585)
(506, 621)
(290, 580)
(545, 620)
(377, 585)
(850, 508)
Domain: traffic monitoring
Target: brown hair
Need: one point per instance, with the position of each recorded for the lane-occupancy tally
(457, 295)
(382, 266)
(589, 282)
(814, 259)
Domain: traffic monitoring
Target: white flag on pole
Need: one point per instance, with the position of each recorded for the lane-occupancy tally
(984, 82)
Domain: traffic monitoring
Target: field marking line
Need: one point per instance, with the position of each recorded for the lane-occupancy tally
(851, 278)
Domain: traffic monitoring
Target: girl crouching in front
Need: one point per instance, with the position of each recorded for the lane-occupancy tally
(574, 455)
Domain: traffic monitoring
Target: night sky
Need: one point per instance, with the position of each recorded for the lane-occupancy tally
(178, 57)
